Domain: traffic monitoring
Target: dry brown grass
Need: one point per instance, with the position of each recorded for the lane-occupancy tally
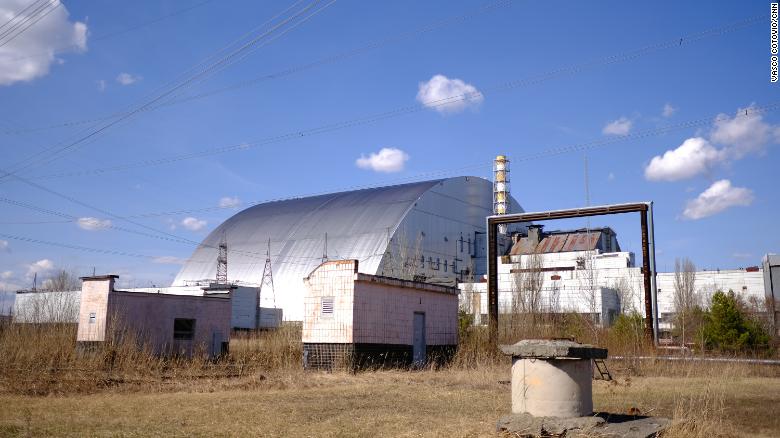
(386, 403)
(47, 389)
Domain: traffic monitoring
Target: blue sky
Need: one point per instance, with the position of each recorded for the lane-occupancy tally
(715, 198)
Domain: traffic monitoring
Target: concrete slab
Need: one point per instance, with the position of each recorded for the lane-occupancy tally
(603, 425)
(553, 349)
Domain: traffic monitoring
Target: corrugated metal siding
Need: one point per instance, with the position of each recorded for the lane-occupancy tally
(358, 226)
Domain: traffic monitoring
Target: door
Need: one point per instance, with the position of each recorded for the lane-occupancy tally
(418, 341)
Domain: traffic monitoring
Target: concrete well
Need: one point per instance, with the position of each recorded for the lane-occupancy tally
(552, 378)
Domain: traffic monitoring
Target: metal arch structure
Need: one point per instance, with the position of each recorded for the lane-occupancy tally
(645, 210)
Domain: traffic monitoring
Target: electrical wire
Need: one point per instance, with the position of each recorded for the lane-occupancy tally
(295, 69)
(232, 57)
(405, 110)
(30, 20)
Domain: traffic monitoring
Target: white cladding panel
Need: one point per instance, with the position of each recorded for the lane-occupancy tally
(359, 225)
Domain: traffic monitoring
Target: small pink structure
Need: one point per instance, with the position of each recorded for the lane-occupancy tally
(355, 319)
(169, 324)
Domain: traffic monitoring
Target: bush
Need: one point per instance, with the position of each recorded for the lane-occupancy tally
(727, 328)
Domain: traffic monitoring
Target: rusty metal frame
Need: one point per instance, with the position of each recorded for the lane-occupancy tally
(645, 210)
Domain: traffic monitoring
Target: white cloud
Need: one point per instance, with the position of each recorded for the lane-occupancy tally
(742, 255)
(193, 224)
(41, 267)
(228, 202)
(31, 54)
(4, 245)
(5, 275)
(718, 197)
(668, 110)
(611, 176)
(386, 160)
(695, 156)
(169, 260)
(621, 126)
(745, 133)
(101, 84)
(447, 95)
(93, 223)
(739, 136)
(127, 78)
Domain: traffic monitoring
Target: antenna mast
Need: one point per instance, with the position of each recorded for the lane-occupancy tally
(268, 275)
(222, 261)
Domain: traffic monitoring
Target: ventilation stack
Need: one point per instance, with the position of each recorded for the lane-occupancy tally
(501, 188)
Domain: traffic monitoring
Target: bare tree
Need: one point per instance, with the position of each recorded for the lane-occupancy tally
(626, 293)
(528, 281)
(402, 260)
(62, 281)
(685, 297)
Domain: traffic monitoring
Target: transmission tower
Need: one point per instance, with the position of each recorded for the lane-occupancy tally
(222, 261)
(268, 275)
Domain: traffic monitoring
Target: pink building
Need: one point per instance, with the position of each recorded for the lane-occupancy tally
(355, 319)
(168, 324)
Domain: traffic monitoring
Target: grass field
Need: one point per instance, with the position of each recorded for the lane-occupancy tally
(728, 402)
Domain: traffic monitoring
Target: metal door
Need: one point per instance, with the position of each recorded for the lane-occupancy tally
(418, 341)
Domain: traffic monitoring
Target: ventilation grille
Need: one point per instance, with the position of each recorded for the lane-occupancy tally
(326, 306)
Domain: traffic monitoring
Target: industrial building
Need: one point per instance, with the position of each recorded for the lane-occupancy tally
(166, 324)
(353, 319)
(585, 271)
(430, 231)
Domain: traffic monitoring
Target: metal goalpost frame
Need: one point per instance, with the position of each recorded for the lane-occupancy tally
(645, 210)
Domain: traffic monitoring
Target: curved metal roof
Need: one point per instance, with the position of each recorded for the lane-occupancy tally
(358, 224)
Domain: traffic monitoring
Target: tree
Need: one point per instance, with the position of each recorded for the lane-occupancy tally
(686, 300)
(727, 327)
(62, 281)
(528, 279)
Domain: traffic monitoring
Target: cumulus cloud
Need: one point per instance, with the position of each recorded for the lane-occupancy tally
(41, 267)
(745, 133)
(5, 275)
(386, 160)
(621, 126)
(193, 224)
(31, 54)
(168, 260)
(229, 202)
(4, 245)
(695, 156)
(737, 137)
(668, 110)
(93, 223)
(447, 95)
(721, 195)
(127, 78)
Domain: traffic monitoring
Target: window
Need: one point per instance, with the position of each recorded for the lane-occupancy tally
(445, 265)
(92, 318)
(438, 263)
(183, 329)
(326, 306)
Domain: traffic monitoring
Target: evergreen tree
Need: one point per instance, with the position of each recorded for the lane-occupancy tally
(727, 327)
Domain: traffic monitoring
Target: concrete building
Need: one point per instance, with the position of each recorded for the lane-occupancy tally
(585, 271)
(368, 320)
(423, 230)
(46, 307)
(771, 272)
(167, 324)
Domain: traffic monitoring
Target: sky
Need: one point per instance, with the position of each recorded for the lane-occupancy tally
(107, 110)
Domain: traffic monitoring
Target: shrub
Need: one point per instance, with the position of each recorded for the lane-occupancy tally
(727, 328)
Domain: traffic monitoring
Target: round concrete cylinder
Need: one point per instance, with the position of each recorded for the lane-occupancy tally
(552, 387)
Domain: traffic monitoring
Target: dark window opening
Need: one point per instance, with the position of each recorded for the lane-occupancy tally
(183, 329)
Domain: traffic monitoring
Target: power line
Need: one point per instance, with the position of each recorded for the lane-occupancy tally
(297, 69)
(110, 35)
(409, 109)
(29, 20)
(233, 56)
(754, 111)
(20, 13)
